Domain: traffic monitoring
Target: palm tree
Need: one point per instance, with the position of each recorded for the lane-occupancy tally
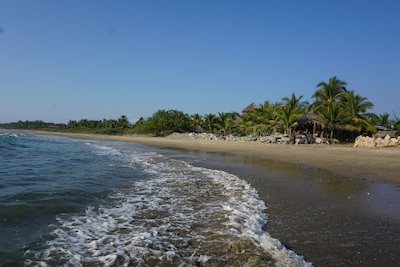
(261, 120)
(274, 117)
(269, 115)
(293, 102)
(328, 92)
(209, 122)
(123, 122)
(383, 120)
(253, 123)
(292, 109)
(396, 122)
(196, 121)
(356, 106)
(334, 117)
(225, 122)
(233, 115)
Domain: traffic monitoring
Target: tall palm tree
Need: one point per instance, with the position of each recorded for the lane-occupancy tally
(274, 116)
(224, 122)
(261, 120)
(209, 122)
(253, 124)
(328, 92)
(269, 115)
(292, 110)
(294, 102)
(357, 106)
(334, 117)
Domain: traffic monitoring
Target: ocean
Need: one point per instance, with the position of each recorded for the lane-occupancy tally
(80, 202)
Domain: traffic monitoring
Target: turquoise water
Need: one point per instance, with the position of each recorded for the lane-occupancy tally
(78, 202)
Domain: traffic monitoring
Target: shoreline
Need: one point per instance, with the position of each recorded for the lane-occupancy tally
(329, 204)
(375, 164)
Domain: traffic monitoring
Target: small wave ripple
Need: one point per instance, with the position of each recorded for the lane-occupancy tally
(181, 216)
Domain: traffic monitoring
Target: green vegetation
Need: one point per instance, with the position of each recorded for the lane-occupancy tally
(32, 125)
(336, 113)
(164, 122)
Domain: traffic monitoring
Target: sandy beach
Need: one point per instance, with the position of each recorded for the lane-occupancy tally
(379, 164)
(335, 205)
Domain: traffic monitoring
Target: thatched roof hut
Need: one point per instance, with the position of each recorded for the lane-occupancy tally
(309, 120)
(249, 108)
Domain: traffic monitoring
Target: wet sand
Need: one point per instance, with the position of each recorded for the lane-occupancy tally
(329, 219)
(335, 205)
(376, 164)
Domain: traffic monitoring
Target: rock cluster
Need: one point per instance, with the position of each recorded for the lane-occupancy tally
(367, 141)
(275, 139)
(209, 136)
(271, 139)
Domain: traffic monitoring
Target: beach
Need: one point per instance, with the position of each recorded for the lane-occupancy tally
(335, 205)
(377, 164)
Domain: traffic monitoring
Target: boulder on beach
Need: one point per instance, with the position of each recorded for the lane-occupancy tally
(367, 141)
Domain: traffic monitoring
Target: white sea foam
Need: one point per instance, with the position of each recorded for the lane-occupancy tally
(12, 134)
(183, 215)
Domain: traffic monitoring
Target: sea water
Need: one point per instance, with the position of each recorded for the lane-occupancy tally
(76, 202)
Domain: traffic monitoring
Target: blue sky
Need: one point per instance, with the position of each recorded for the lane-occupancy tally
(95, 59)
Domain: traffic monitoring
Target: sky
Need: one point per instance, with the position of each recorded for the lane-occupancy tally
(64, 60)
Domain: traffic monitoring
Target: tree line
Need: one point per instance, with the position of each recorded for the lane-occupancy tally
(335, 113)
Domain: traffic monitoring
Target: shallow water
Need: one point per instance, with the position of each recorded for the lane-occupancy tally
(77, 202)
(330, 220)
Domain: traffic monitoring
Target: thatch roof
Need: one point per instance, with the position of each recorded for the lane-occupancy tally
(249, 108)
(309, 118)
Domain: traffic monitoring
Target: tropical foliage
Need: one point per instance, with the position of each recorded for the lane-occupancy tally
(225, 121)
(328, 93)
(165, 122)
(38, 124)
(291, 111)
(336, 113)
(262, 120)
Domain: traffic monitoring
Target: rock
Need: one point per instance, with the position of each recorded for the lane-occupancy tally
(285, 140)
(370, 141)
(300, 139)
(270, 139)
(366, 141)
(379, 142)
(318, 141)
(360, 141)
(386, 141)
